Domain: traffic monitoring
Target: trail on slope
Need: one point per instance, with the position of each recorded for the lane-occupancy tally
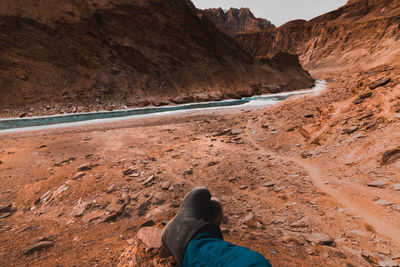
(339, 196)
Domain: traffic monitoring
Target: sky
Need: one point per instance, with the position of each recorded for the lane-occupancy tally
(277, 11)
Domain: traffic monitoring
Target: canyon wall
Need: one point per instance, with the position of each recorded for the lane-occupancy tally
(359, 35)
(84, 55)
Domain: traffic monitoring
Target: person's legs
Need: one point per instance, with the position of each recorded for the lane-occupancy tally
(207, 250)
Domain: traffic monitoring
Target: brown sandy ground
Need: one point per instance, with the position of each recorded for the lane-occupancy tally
(302, 168)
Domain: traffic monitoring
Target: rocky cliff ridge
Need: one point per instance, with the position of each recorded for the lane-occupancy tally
(235, 21)
(359, 35)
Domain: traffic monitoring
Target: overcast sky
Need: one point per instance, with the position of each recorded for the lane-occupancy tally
(277, 11)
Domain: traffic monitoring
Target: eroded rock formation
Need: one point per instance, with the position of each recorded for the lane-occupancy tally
(106, 54)
(235, 21)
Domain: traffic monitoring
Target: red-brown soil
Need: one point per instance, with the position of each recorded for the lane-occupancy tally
(320, 178)
(74, 56)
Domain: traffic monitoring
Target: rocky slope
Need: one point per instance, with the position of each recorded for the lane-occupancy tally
(360, 35)
(69, 56)
(235, 21)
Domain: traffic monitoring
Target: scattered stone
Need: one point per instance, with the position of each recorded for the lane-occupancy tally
(149, 180)
(320, 238)
(188, 172)
(151, 236)
(265, 126)
(365, 95)
(224, 132)
(236, 131)
(350, 130)
(302, 223)
(390, 156)
(396, 187)
(165, 185)
(378, 183)
(305, 155)
(5, 208)
(382, 202)
(5, 215)
(212, 163)
(251, 220)
(129, 171)
(309, 116)
(366, 116)
(80, 208)
(268, 184)
(84, 167)
(279, 189)
(38, 247)
(381, 82)
(111, 188)
(243, 187)
(78, 175)
(388, 263)
(358, 101)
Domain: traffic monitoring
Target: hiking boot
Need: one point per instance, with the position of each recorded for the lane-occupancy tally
(214, 212)
(188, 223)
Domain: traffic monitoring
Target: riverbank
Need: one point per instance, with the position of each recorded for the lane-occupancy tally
(65, 120)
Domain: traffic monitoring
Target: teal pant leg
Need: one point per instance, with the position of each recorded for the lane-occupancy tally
(206, 250)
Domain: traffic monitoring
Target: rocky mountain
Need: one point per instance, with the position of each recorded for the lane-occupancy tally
(69, 56)
(359, 35)
(235, 21)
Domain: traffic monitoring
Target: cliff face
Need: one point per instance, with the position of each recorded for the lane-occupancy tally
(107, 54)
(361, 34)
(235, 21)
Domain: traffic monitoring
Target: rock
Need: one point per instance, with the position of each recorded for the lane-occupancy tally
(358, 101)
(84, 167)
(80, 208)
(6, 208)
(366, 116)
(165, 185)
(114, 210)
(111, 188)
(129, 171)
(382, 202)
(188, 172)
(78, 175)
(396, 187)
(151, 236)
(243, 187)
(223, 132)
(265, 126)
(381, 82)
(309, 116)
(320, 238)
(279, 189)
(378, 183)
(388, 263)
(268, 184)
(1, 162)
(236, 131)
(47, 197)
(390, 156)
(305, 155)
(288, 238)
(149, 180)
(251, 221)
(302, 223)
(365, 95)
(350, 130)
(38, 247)
(5, 215)
(212, 163)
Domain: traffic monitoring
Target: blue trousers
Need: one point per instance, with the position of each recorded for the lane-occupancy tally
(206, 250)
